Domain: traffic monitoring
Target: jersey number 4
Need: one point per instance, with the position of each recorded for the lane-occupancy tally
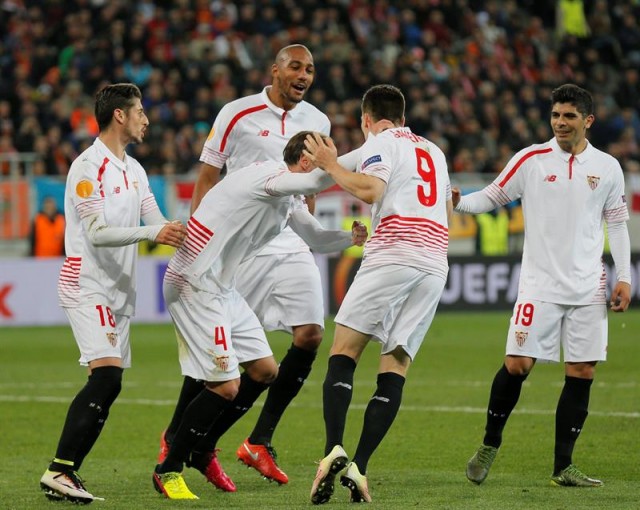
(427, 192)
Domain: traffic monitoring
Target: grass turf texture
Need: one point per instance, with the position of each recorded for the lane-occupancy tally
(420, 464)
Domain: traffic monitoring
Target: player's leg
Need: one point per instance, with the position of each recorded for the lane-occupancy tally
(413, 297)
(190, 389)
(253, 382)
(197, 419)
(289, 299)
(534, 333)
(198, 314)
(337, 389)
(103, 385)
(584, 343)
(293, 371)
(122, 325)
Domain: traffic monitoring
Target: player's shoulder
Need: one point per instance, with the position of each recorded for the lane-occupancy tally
(535, 150)
(311, 109)
(602, 159)
(243, 103)
(88, 161)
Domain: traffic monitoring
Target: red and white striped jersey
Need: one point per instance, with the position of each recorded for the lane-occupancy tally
(565, 200)
(99, 182)
(409, 222)
(234, 220)
(252, 129)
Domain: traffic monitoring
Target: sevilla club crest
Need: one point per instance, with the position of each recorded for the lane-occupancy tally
(593, 181)
(521, 337)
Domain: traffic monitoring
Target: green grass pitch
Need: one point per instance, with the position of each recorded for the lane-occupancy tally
(420, 464)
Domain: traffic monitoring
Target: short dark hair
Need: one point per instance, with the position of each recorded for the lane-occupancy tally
(578, 97)
(384, 102)
(119, 96)
(295, 146)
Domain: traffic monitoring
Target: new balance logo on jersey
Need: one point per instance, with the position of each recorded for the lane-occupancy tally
(550, 178)
(264, 132)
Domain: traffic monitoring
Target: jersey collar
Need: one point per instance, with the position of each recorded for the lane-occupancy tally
(113, 159)
(581, 158)
(276, 109)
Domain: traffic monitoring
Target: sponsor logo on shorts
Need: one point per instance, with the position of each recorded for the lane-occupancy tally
(113, 339)
(521, 337)
(221, 361)
(550, 178)
(373, 159)
(593, 181)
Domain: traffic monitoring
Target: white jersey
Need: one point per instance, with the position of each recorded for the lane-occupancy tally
(99, 182)
(252, 129)
(236, 218)
(409, 222)
(565, 200)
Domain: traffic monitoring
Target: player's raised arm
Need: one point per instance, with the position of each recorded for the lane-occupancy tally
(208, 177)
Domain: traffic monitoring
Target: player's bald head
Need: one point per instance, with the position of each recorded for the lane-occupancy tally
(291, 52)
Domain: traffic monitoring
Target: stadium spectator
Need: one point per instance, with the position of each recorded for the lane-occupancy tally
(106, 196)
(234, 220)
(569, 190)
(394, 295)
(47, 231)
(509, 44)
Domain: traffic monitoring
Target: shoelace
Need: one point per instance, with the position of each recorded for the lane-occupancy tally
(486, 455)
(77, 482)
(272, 451)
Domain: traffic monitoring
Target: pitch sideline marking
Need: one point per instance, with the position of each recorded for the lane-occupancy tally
(419, 409)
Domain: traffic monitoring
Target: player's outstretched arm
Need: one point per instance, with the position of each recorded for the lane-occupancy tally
(324, 154)
(321, 240)
(172, 234)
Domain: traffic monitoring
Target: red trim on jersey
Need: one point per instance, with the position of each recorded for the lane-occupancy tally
(126, 182)
(284, 114)
(235, 119)
(409, 219)
(571, 166)
(100, 172)
(200, 226)
(520, 162)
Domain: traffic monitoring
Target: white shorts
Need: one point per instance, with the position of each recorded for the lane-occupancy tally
(216, 332)
(100, 333)
(283, 290)
(395, 304)
(538, 329)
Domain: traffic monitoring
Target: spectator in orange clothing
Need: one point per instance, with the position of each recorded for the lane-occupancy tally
(47, 231)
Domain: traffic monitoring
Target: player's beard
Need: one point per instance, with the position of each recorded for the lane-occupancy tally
(285, 87)
(134, 136)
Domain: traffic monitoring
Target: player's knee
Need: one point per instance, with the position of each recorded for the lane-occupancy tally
(307, 337)
(518, 365)
(108, 379)
(581, 370)
(263, 371)
(227, 390)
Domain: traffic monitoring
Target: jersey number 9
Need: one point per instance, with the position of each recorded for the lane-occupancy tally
(427, 192)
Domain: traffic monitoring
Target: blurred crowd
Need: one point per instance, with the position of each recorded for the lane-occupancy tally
(477, 74)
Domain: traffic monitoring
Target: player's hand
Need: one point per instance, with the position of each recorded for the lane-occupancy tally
(455, 196)
(172, 234)
(359, 233)
(620, 297)
(321, 152)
